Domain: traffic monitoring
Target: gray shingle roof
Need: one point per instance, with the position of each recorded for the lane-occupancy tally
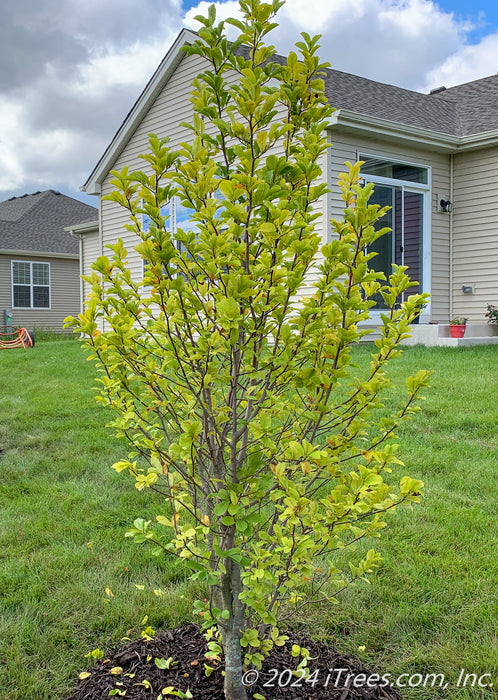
(476, 105)
(471, 108)
(369, 97)
(464, 110)
(36, 222)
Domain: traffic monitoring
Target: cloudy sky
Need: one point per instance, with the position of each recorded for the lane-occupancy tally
(71, 69)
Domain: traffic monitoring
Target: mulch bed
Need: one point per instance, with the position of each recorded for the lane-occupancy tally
(136, 662)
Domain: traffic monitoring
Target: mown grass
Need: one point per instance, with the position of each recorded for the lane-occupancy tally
(68, 577)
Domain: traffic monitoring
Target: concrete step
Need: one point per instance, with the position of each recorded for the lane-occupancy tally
(438, 334)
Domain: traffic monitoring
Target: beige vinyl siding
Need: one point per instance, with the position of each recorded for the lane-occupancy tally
(348, 146)
(170, 108)
(475, 232)
(64, 293)
(90, 251)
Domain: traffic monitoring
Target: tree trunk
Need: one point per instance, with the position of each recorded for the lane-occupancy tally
(232, 630)
(234, 687)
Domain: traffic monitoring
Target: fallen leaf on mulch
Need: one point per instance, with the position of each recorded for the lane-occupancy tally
(334, 676)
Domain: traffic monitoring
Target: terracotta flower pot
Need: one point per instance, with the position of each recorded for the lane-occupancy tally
(457, 331)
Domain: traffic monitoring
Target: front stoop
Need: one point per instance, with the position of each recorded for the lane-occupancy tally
(433, 335)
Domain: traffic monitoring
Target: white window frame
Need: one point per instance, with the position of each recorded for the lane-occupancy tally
(425, 190)
(31, 285)
(174, 203)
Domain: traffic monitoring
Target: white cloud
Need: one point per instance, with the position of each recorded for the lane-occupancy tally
(133, 66)
(72, 69)
(224, 10)
(319, 16)
(393, 41)
(50, 158)
(467, 63)
(11, 169)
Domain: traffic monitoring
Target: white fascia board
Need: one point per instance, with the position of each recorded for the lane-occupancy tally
(447, 143)
(138, 111)
(39, 254)
(88, 227)
(476, 141)
(370, 125)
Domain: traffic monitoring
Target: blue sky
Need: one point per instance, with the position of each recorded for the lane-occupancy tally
(483, 13)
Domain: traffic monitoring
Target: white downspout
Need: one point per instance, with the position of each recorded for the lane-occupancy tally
(451, 233)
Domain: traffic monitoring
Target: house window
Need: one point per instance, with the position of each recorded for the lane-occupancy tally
(30, 285)
(178, 217)
(405, 188)
(393, 170)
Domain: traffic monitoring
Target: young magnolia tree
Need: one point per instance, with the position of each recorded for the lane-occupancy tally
(237, 393)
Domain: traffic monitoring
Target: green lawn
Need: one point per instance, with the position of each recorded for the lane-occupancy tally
(68, 577)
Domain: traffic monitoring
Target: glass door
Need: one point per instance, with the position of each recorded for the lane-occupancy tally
(403, 245)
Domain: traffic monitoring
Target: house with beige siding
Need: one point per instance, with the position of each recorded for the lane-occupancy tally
(39, 260)
(433, 159)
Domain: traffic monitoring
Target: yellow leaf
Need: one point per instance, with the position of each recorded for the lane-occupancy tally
(109, 593)
(205, 520)
(116, 670)
(83, 675)
(306, 468)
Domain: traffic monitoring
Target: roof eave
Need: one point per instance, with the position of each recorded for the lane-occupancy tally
(138, 111)
(447, 143)
(476, 141)
(38, 254)
(87, 227)
(368, 125)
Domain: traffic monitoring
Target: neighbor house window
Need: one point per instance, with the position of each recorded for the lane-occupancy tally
(30, 285)
(405, 188)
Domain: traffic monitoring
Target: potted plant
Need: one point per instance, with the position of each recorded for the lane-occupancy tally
(492, 316)
(457, 327)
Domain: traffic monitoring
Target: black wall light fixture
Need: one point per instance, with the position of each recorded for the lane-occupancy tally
(446, 205)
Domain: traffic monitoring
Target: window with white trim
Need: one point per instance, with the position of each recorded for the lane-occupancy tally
(177, 217)
(30, 285)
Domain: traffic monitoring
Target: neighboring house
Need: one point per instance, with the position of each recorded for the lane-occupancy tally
(433, 159)
(39, 259)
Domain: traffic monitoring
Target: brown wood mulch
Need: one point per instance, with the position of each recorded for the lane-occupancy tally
(135, 673)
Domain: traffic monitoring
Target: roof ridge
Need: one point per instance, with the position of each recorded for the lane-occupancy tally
(378, 82)
(472, 82)
(29, 208)
(43, 194)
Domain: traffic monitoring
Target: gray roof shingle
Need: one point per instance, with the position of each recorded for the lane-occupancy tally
(369, 97)
(36, 222)
(470, 108)
(476, 104)
(463, 110)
